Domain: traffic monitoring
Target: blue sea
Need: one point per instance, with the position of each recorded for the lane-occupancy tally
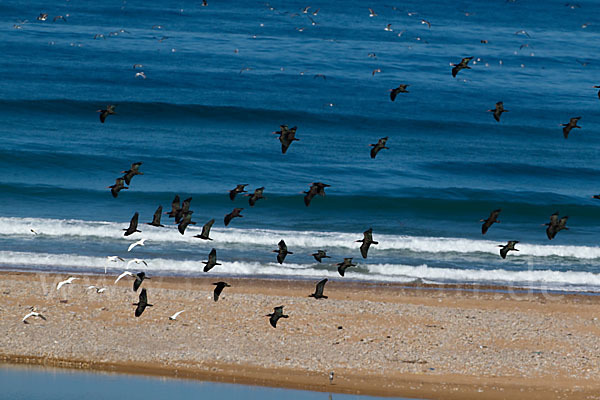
(219, 79)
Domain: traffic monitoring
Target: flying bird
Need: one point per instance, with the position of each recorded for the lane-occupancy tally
(206, 230)
(59, 17)
(491, 219)
(381, 144)
(98, 289)
(156, 218)
(137, 66)
(276, 315)
(316, 188)
(110, 109)
(68, 281)
(282, 251)
(286, 136)
(42, 17)
(140, 277)
(124, 274)
(388, 28)
(522, 32)
(347, 263)
(140, 74)
(367, 241)
(33, 313)
(399, 89)
(498, 110)
(142, 303)
(372, 13)
(462, 65)
(138, 243)
(508, 247)
(212, 260)
(132, 225)
(174, 316)
(572, 124)
(235, 213)
(184, 210)
(185, 221)
(116, 188)
(238, 189)
(175, 207)
(320, 255)
(257, 195)
(136, 261)
(555, 225)
(318, 294)
(375, 71)
(426, 23)
(133, 171)
(219, 288)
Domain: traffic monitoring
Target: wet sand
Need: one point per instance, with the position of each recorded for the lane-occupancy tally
(379, 339)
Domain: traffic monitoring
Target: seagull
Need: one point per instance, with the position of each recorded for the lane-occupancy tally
(318, 294)
(112, 259)
(136, 261)
(488, 222)
(109, 110)
(320, 254)
(206, 230)
(245, 69)
(219, 288)
(140, 74)
(132, 225)
(257, 195)
(99, 35)
(98, 290)
(282, 251)
(508, 247)
(238, 189)
(347, 263)
(399, 89)
(305, 10)
(498, 110)
(278, 313)
(156, 218)
(32, 231)
(388, 28)
(59, 17)
(522, 32)
(142, 303)
(212, 260)
(33, 313)
(320, 76)
(372, 13)
(381, 144)
(133, 171)
(137, 66)
(42, 17)
(462, 65)
(140, 277)
(65, 282)
(426, 23)
(124, 274)
(116, 188)
(367, 241)
(375, 71)
(174, 316)
(316, 12)
(138, 243)
(572, 124)
(232, 215)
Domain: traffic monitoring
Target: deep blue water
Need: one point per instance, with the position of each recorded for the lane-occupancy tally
(33, 383)
(227, 75)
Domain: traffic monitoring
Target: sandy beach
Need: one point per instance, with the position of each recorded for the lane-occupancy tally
(379, 339)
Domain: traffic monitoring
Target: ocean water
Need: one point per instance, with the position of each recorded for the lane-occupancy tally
(221, 78)
(61, 384)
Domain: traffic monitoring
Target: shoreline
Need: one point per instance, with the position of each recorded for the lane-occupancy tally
(395, 341)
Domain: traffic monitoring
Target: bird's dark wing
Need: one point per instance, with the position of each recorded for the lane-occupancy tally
(218, 289)
(157, 216)
(206, 228)
(136, 284)
(393, 94)
(503, 251)
(140, 309)
(282, 246)
(320, 287)
(143, 297)
(134, 222)
(227, 219)
(364, 249)
(212, 256)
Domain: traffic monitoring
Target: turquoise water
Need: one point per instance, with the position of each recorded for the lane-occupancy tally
(36, 383)
(227, 75)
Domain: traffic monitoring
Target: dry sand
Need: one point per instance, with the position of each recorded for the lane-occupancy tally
(379, 339)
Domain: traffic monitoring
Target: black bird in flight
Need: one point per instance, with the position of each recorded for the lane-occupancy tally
(347, 263)
(286, 136)
(140, 276)
(367, 241)
(378, 146)
(110, 109)
(212, 261)
(572, 124)
(254, 197)
(185, 221)
(183, 211)
(206, 230)
(175, 207)
(318, 294)
(238, 189)
(116, 188)
(156, 218)
(132, 225)
(555, 225)
(488, 222)
(235, 213)
(133, 171)
(462, 65)
(498, 110)
(142, 303)
(508, 247)
(316, 188)
(399, 89)
(219, 286)
(278, 313)
(282, 251)
(320, 255)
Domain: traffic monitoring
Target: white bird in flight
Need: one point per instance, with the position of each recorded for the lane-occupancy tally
(98, 290)
(138, 243)
(136, 261)
(174, 316)
(33, 313)
(142, 74)
(112, 259)
(124, 274)
(65, 282)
